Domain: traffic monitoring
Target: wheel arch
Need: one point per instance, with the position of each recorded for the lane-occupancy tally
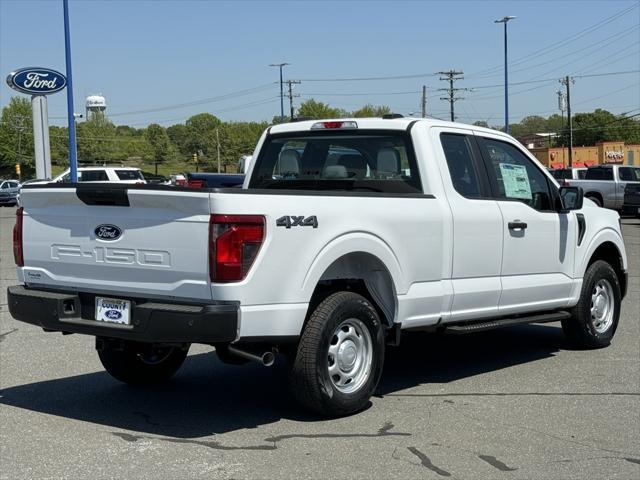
(359, 262)
(608, 247)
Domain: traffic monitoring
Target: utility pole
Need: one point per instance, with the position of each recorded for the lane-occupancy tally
(218, 148)
(451, 76)
(562, 106)
(424, 101)
(280, 65)
(291, 83)
(505, 20)
(567, 81)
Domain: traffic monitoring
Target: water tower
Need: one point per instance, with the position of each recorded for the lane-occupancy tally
(96, 106)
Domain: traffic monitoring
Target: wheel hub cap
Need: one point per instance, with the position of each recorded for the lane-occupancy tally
(347, 354)
(350, 356)
(602, 306)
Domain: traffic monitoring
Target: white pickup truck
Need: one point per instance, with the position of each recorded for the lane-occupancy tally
(345, 233)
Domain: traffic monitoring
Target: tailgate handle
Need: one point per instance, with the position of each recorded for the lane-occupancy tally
(113, 197)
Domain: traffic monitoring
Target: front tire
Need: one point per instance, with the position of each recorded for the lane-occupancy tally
(595, 318)
(340, 356)
(142, 364)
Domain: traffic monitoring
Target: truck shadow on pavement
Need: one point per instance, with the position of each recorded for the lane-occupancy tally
(207, 397)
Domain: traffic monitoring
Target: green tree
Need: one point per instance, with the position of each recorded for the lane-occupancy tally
(370, 110)
(313, 109)
(160, 144)
(16, 135)
(604, 126)
(201, 133)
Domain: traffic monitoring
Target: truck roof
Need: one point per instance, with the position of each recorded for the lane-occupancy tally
(377, 123)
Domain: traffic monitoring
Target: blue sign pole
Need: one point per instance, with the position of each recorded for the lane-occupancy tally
(73, 155)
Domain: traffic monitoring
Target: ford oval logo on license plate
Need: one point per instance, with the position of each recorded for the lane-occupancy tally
(113, 314)
(107, 232)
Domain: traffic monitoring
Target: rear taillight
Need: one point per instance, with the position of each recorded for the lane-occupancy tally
(195, 184)
(18, 255)
(234, 242)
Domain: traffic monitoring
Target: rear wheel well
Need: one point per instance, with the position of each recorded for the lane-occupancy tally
(361, 273)
(610, 254)
(595, 195)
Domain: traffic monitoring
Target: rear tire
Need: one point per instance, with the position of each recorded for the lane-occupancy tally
(595, 318)
(340, 356)
(141, 364)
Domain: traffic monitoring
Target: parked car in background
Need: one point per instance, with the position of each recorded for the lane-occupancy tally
(9, 192)
(178, 180)
(214, 180)
(605, 184)
(101, 174)
(575, 173)
(631, 203)
(155, 179)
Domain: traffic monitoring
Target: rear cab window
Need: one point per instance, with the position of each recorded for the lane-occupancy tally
(380, 161)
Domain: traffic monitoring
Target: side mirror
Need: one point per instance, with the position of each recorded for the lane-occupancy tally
(571, 198)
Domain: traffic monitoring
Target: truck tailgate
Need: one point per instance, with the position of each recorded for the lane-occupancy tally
(154, 241)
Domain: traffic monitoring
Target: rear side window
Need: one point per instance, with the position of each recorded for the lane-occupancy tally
(514, 175)
(599, 174)
(129, 175)
(458, 152)
(362, 161)
(629, 174)
(93, 176)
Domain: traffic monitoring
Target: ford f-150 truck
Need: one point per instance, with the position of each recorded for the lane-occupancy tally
(345, 233)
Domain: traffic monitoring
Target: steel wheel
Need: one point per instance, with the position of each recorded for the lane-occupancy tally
(350, 356)
(602, 306)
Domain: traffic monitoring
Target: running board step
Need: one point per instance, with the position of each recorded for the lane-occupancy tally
(460, 328)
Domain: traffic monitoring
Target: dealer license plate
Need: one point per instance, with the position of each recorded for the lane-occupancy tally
(112, 310)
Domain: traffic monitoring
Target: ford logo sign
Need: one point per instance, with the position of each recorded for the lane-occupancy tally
(107, 232)
(113, 314)
(36, 81)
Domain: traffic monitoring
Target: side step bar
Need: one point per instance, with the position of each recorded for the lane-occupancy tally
(461, 328)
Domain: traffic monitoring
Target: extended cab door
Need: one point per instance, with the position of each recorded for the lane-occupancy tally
(477, 226)
(538, 241)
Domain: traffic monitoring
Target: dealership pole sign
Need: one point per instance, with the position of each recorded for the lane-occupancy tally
(39, 82)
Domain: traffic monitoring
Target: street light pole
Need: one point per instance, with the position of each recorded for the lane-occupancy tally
(73, 155)
(280, 65)
(505, 20)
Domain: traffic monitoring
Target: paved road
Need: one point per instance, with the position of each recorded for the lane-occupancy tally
(509, 404)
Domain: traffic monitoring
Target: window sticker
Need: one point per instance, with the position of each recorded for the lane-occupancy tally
(516, 181)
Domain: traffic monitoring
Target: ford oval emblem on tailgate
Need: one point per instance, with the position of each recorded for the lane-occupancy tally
(107, 232)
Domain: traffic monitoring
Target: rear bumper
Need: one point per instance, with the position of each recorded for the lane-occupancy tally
(151, 321)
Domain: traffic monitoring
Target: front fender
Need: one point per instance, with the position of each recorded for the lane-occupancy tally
(604, 235)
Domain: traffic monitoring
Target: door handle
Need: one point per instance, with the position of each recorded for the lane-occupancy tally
(517, 225)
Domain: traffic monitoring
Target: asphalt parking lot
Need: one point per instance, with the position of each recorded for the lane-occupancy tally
(515, 403)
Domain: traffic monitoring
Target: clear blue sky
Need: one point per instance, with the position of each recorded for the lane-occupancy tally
(153, 54)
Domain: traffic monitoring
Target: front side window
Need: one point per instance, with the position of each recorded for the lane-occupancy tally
(458, 152)
(515, 176)
(359, 161)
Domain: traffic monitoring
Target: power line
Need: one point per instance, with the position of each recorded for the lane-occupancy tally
(560, 43)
